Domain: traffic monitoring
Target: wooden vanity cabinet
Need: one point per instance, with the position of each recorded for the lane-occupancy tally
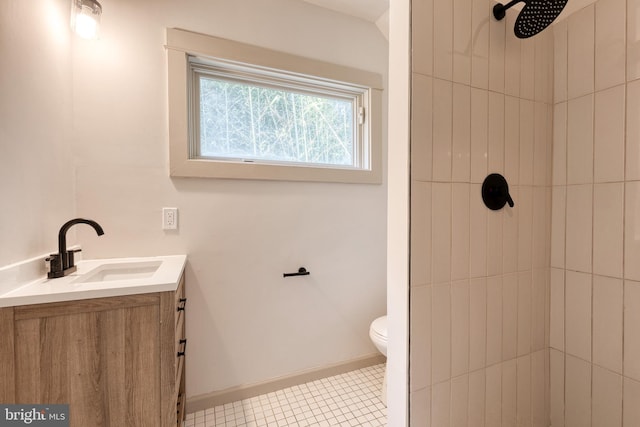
(117, 361)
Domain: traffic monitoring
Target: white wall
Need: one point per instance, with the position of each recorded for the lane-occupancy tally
(36, 174)
(245, 322)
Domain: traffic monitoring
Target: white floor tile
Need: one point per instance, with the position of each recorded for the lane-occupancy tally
(349, 399)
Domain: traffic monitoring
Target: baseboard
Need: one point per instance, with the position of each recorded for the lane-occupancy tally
(205, 401)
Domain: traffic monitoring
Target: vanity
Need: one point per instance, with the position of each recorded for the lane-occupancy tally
(109, 340)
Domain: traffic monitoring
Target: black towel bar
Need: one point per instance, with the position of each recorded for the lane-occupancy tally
(301, 272)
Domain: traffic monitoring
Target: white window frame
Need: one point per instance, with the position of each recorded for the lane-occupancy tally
(183, 46)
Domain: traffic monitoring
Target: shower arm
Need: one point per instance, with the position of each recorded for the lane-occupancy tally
(500, 10)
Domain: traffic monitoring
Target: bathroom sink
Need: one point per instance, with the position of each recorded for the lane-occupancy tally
(94, 278)
(120, 271)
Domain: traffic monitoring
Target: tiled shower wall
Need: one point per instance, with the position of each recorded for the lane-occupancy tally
(482, 102)
(595, 252)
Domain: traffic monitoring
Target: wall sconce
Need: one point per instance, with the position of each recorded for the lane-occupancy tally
(85, 18)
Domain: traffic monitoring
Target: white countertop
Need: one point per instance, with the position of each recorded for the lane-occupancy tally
(77, 287)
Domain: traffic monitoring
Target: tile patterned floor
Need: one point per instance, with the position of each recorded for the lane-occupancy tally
(350, 399)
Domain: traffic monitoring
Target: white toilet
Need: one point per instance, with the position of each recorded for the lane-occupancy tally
(378, 334)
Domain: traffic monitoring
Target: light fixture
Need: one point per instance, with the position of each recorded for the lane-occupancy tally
(85, 18)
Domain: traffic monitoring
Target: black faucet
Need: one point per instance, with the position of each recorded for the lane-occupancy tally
(62, 263)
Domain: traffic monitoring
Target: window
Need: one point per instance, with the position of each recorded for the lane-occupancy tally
(239, 111)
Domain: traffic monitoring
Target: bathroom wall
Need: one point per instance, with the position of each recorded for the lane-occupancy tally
(245, 323)
(595, 278)
(36, 165)
(482, 102)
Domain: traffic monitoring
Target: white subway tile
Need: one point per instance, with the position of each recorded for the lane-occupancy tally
(511, 58)
(527, 67)
(512, 140)
(509, 316)
(580, 140)
(541, 226)
(443, 39)
(422, 37)
(480, 43)
(477, 233)
(510, 219)
(579, 227)
(440, 333)
(420, 402)
(581, 49)
(477, 324)
(633, 40)
(538, 386)
(560, 55)
(543, 62)
(524, 312)
(420, 354)
(632, 231)
(462, 11)
(607, 322)
(442, 129)
(495, 162)
(606, 405)
(441, 404)
(479, 134)
(460, 237)
(459, 401)
(477, 389)
(525, 227)
(494, 320)
(556, 388)
(631, 331)
(421, 128)
(577, 392)
(493, 397)
(608, 229)
(523, 392)
(578, 314)
(526, 142)
(460, 328)
(461, 134)
(496, 54)
(556, 337)
(509, 391)
(420, 233)
(610, 49)
(539, 316)
(560, 144)
(608, 138)
(494, 242)
(631, 412)
(632, 155)
(540, 144)
(558, 218)
(441, 233)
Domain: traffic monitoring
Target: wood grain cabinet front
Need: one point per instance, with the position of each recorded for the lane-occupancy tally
(113, 360)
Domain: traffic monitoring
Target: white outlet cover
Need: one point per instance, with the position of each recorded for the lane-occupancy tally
(169, 218)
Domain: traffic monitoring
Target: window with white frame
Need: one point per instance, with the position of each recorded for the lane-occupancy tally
(239, 111)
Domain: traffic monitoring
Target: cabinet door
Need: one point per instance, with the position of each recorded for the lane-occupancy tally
(103, 363)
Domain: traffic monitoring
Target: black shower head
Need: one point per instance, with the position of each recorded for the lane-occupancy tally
(536, 15)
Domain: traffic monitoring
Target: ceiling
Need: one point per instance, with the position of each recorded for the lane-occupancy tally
(373, 10)
(369, 10)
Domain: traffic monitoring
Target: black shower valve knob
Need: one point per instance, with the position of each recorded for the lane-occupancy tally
(495, 192)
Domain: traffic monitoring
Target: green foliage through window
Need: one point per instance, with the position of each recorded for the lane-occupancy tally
(247, 121)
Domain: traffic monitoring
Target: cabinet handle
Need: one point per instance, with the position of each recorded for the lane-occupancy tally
(183, 303)
(184, 347)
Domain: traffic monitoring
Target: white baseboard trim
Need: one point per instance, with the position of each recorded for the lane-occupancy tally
(209, 400)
